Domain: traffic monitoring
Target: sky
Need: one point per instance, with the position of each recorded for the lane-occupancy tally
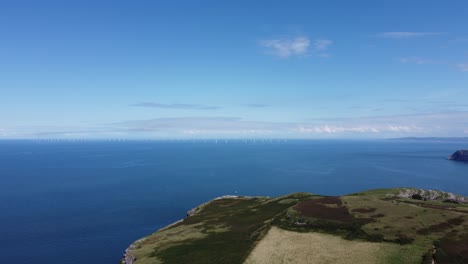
(233, 69)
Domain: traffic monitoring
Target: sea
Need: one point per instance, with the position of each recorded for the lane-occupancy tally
(85, 202)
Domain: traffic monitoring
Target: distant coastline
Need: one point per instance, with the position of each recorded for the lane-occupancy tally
(433, 139)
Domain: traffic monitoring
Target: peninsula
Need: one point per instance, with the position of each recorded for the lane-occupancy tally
(403, 225)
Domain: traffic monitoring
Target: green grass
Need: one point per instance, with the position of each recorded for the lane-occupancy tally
(243, 222)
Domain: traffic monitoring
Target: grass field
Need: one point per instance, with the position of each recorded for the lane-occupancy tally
(288, 247)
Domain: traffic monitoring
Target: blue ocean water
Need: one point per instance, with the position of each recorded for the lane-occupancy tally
(66, 202)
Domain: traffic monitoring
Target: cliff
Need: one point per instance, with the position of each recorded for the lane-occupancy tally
(459, 155)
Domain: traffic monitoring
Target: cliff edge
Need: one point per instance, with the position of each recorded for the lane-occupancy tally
(459, 155)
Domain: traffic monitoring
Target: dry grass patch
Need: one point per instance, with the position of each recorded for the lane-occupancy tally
(282, 246)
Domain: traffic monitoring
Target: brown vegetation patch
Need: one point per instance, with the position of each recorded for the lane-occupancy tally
(440, 207)
(434, 228)
(377, 216)
(452, 249)
(450, 223)
(403, 239)
(318, 208)
(364, 210)
(389, 199)
(456, 221)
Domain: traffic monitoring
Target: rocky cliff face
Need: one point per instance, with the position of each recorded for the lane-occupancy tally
(459, 155)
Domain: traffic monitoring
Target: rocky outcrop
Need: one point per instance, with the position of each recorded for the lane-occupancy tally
(431, 195)
(127, 257)
(459, 155)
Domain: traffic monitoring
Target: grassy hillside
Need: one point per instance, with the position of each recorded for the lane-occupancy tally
(387, 226)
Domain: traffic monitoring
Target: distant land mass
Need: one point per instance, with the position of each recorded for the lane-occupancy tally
(459, 155)
(402, 225)
(441, 139)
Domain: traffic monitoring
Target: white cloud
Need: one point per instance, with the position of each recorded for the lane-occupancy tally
(298, 46)
(430, 124)
(393, 128)
(285, 48)
(227, 131)
(463, 67)
(414, 60)
(175, 106)
(328, 129)
(405, 34)
(363, 129)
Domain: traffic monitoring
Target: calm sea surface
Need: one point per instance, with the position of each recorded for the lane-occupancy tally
(86, 202)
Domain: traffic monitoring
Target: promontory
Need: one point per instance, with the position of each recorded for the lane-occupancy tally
(403, 225)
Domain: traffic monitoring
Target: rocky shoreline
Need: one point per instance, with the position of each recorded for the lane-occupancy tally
(128, 258)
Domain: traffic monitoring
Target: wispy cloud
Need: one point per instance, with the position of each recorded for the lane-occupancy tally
(414, 60)
(436, 123)
(287, 47)
(176, 106)
(187, 123)
(296, 46)
(333, 129)
(463, 67)
(406, 34)
(449, 123)
(322, 44)
(420, 61)
(5, 133)
(69, 133)
(203, 127)
(256, 105)
(321, 47)
(453, 123)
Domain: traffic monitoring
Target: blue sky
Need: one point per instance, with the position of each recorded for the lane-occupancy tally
(238, 69)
